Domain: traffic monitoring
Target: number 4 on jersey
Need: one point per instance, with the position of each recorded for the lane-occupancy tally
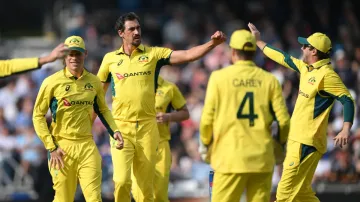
(251, 116)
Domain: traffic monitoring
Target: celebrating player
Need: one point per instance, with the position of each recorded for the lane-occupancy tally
(72, 94)
(319, 87)
(241, 103)
(133, 71)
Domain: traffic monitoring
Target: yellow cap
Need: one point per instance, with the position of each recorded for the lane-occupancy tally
(241, 37)
(318, 40)
(75, 43)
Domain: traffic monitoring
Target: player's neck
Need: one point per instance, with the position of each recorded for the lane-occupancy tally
(77, 72)
(128, 48)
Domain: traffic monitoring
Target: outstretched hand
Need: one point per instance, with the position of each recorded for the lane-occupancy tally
(218, 37)
(255, 32)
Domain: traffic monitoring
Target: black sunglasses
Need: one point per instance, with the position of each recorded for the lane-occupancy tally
(307, 46)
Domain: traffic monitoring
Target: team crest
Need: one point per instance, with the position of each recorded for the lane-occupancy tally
(159, 92)
(143, 58)
(88, 86)
(74, 42)
(312, 80)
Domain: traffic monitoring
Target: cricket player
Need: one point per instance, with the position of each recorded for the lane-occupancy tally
(72, 94)
(319, 87)
(168, 98)
(241, 103)
(132, 73)
(20, 65)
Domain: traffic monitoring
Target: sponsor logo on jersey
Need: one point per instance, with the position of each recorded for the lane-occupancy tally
(77, 102)
(303, 94)
(67, 88)
(120, 62)
(126, 75)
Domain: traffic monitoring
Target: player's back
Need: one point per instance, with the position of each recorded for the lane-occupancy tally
(242, 119)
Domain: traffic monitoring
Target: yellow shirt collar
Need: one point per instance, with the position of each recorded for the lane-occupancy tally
(245, 62)
(319, 63)
(69, 75)
(141, 47)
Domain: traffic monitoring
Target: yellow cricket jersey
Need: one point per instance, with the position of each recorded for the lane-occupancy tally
(241, 103)
(168, 96)
(72, 102)
(319, 87)
(9, 67)
(134, 80)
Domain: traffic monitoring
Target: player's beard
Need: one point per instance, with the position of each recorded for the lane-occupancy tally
(136, 42)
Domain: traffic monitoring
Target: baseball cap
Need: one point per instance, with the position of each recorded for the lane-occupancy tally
(75, 43)
(241, 37)
(318, 40)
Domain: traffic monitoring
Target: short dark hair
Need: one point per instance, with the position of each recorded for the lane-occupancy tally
(322, 55)
(248, 55)
(120, 22)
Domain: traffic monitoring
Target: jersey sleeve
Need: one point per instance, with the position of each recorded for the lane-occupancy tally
(104, 73)
(207, 117)
(279, 110)
(332, 85)
(284, 59)
(103, 112)
(162, 54)
(178, 101)
(9, 67)
(42, 104)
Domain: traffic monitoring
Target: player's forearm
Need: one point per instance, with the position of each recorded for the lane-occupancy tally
(347, 126)
(8, 67)
(43, 132)
(206, 131)
(261, 44)
(178, 116)
(183, 56)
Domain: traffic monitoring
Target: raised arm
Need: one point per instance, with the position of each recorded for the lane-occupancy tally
(21, 65)
(275, 54)
(183, 56)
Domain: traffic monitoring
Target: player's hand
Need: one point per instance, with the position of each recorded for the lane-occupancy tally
(342, 138)
(255, 32)
(119, 140)
(56, 159)
(218, 38)
(58, 52)
(163, 117)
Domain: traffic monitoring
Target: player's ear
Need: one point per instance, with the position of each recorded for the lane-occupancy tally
(121, 33)
(86, 53)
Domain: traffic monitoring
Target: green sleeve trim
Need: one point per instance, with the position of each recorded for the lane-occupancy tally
(159, 64)
(102, 118)
(108, 79)
(53, 108)
(287, 58)
(349, 108)
(322, 103)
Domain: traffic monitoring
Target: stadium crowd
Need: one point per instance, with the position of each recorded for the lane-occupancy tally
(180, 26)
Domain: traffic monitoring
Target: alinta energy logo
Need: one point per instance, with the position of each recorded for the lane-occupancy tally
(68, 103)
(126, 75)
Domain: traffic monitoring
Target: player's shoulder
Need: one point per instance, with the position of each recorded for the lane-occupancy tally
(55, 77)
(93, 79)
(111, 54)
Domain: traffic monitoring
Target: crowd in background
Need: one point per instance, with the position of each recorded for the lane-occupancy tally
(180, 26)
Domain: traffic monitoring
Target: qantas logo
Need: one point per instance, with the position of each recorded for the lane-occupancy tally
(71, 103)
(66, 103)
(126, 75)
(119, 76)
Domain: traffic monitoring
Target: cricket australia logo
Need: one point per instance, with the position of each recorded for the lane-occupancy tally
(312, 80)
(88, 86)
(74, 42)
(143, 58)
